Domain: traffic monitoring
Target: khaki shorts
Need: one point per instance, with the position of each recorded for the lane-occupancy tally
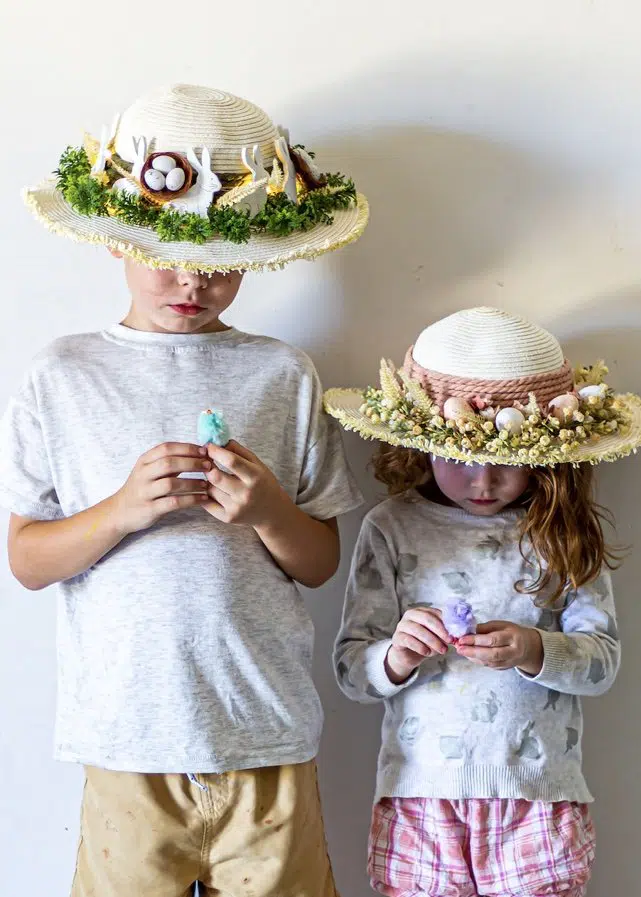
(253, 833)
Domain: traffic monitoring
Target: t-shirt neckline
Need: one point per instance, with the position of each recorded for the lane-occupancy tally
(143, 338)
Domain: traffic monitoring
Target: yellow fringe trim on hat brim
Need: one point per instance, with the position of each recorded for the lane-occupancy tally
(356, 422)
(305, 252)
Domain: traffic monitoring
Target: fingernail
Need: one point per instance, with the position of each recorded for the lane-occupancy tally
(202, 450)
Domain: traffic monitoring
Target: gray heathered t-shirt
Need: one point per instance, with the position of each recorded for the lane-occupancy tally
(186, 648)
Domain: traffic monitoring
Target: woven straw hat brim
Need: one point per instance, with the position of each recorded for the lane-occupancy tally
(344, 405)
(261, 252)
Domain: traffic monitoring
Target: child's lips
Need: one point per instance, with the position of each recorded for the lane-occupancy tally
(483, 501)
(187, 309)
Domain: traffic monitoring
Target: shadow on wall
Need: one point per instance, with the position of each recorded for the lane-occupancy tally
(463, 157)
(445, 207)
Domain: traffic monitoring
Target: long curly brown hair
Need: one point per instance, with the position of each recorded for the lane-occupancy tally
(563, 522)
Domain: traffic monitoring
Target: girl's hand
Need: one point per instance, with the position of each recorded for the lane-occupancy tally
(502, 646)
(420, 633)
(246, 492)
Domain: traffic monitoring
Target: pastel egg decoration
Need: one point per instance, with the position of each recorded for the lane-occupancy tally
(455, 408)
(164, 163)
(587, 392)
(175, 179)
(155, 180)
(563, 407)
(165, 176)
(510, 419)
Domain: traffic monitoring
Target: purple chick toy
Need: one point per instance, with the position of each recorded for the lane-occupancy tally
(459, 619)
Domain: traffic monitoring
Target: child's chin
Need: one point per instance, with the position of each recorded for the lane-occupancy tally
(182, 324)
(486, 509)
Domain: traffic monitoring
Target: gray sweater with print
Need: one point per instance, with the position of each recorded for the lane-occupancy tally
(455, 729)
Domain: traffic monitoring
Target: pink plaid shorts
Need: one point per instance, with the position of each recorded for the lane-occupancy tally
(424, 847)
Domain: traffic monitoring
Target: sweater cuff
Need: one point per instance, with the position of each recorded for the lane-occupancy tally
(376, 674)
(556, 659)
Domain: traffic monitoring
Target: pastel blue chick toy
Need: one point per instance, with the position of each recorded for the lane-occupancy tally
(213, 428)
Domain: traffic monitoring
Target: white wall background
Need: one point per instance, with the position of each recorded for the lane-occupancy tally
(500, 146)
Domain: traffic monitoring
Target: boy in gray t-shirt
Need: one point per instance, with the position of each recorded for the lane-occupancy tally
(184, 645)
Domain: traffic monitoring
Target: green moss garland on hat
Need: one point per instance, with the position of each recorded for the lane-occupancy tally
(200, 179)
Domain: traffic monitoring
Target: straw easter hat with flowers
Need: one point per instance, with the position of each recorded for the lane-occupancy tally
(483, 386)
(195, 178)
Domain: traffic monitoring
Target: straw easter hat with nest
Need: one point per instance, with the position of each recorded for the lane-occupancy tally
(196, 178)
(483, 386)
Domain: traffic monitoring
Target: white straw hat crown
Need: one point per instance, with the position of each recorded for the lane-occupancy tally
(185, 115)
(487, 344)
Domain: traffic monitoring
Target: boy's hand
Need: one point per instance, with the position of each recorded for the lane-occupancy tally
(502, 646)
(246, 492)
(419, 634)
(154, 488)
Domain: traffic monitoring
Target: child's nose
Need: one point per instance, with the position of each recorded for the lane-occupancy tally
(190, 278)
(484, 476)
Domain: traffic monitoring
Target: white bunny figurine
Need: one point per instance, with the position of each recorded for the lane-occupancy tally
(199, 198)
(258, 168)
(140, 156)
(255, 201)
(104, 151)
(282, 151)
